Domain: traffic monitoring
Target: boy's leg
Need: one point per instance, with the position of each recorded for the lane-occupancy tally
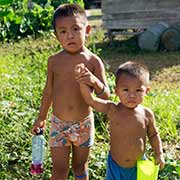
(60, 160)
(80, 162)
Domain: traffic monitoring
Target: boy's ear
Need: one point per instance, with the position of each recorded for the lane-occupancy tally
(88, 29)
(147, 89)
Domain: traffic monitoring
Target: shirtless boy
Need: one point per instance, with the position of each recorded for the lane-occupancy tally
(130, 122)
(72, 124)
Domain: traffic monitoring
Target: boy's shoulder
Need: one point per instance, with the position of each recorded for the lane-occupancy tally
(91, 56)
(56, 56)
(93, 59)
(148, 113)
(147, 110)
(113, 108)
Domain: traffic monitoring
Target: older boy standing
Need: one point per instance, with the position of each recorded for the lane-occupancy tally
(72, 123)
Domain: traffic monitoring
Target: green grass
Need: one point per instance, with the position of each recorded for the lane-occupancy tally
(23, 72)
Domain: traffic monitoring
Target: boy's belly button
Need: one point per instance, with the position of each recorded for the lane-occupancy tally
(127, 160)
(70, 108)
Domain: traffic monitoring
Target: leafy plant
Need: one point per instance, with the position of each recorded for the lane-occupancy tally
(5, 2)
(20, 18)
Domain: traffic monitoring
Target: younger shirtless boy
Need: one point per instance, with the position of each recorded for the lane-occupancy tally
(130, 122)
(72, 123)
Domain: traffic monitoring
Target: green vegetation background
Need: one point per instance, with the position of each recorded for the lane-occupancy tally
(23, 73)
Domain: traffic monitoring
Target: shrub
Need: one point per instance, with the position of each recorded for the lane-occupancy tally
(21, 18)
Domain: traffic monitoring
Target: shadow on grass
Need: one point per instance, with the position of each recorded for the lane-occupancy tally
(119, 51)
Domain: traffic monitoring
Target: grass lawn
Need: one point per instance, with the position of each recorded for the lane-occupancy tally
(23, 72)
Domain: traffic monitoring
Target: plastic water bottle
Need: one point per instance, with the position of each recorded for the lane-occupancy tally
(38, 150)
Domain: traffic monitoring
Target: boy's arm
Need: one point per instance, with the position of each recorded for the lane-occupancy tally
(155, 140)
(98, 104)
(46, 100)
(95, 78)
(100, 85)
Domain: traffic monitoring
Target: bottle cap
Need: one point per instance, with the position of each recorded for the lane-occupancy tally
(39, 131)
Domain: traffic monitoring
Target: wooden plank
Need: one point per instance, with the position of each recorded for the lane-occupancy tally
(124, 33)
(142, 15)
(135, 23)
(140, 4)
(115, 6)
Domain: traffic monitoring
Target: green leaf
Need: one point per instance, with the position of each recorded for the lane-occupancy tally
(4, 13)
(5, 2)
(18, 19)
(178, 169)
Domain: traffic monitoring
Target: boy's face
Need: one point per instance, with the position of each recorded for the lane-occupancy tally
(130, 90)
(71, 32)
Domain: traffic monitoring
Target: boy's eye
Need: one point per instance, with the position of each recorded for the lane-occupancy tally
(62, 31)
(125, 89)
(76, 28)
(138, 90)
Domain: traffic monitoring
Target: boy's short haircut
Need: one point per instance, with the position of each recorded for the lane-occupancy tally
(66, 10)
(134, 69)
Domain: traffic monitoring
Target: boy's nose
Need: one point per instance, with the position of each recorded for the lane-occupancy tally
(70, 35)
(132, 94)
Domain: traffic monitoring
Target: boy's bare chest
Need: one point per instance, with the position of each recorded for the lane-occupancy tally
(64, 69)
(125, 123)
(64, 75)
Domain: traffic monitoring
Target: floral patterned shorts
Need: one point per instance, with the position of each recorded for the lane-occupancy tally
(63, 133)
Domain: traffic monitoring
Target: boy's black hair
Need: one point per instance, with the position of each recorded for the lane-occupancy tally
(66, 10)
(134, 69)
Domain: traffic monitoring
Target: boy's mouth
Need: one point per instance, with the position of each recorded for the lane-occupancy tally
(131, 102)
(71, 43)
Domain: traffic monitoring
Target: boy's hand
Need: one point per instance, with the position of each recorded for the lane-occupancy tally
(83, 75)
(37, 125)
(160, 161)
(79, 72)
(79, 69)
